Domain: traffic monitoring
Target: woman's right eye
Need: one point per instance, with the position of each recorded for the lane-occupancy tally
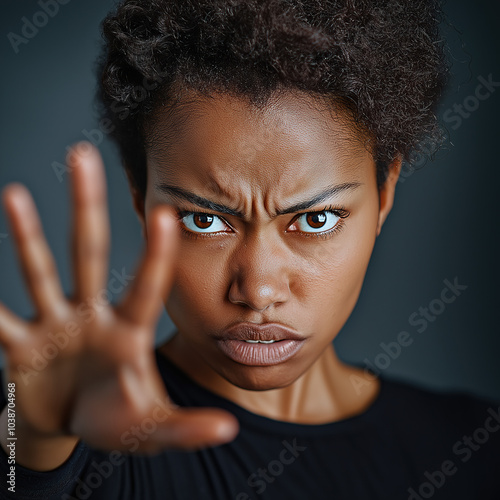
(198, 222)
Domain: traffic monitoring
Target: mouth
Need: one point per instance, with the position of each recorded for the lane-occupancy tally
(260, 345)
(261, 341)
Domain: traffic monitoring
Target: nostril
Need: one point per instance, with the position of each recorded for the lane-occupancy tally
(258, 299)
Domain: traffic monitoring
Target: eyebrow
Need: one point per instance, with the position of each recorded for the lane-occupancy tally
(180, 193)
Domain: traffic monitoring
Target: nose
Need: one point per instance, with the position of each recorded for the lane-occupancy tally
(260, 273)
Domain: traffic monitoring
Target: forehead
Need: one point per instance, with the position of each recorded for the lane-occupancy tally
(225, 143)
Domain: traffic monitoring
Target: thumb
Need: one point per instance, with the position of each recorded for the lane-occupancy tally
(192, 428)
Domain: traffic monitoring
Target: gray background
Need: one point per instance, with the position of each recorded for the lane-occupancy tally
(444, 224)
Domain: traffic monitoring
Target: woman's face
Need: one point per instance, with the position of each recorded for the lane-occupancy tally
(279, 210)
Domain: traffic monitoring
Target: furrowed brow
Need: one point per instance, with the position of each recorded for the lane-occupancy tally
(201, 202)
(328, 193)
(179, 193)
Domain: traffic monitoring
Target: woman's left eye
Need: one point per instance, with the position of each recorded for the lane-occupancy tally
(317, 222)
(203, 223)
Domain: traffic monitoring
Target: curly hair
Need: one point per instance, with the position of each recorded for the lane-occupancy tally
(383, 60)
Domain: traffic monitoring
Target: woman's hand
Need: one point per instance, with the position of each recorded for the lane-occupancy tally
(95, 375)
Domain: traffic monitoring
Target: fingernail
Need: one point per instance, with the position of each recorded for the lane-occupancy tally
(227, 432)
(84, 148)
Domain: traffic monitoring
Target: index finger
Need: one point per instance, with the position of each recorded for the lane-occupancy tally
(143, 303)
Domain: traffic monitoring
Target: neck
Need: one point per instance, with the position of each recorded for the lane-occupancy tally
(324, 393)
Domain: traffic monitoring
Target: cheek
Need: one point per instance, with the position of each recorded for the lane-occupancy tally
(333, 286)
(199, 285)
(334, 278)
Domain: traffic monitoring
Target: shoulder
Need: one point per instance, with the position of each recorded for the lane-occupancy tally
(407, 401)
(416, 401)
(452, 423)
(447, 440)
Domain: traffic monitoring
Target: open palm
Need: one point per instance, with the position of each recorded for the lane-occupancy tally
(93, 375)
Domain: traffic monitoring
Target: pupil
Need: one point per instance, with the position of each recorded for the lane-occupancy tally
(317, 220)
(203, 221)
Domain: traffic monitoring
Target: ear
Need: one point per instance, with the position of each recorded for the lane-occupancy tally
(139, 206)
(387, 191)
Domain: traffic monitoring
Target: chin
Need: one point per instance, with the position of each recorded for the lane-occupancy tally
(260, 378)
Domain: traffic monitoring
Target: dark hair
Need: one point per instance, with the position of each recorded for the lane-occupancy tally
(383, 60)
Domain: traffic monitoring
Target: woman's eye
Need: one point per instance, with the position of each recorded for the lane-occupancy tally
(203, 223)
(317, 222)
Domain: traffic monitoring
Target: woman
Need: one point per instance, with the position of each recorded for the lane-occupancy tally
(263, 142)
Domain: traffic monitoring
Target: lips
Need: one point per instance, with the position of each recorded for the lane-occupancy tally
(264, 332)
(260, 345)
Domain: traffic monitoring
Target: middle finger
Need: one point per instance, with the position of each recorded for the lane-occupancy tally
(91, 221)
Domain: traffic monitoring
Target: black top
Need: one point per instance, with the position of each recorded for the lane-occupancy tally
(410, 444)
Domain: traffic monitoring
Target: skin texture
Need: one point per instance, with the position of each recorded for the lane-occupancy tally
(260, 268)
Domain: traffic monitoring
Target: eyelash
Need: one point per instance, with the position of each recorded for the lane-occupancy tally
(338, 211)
